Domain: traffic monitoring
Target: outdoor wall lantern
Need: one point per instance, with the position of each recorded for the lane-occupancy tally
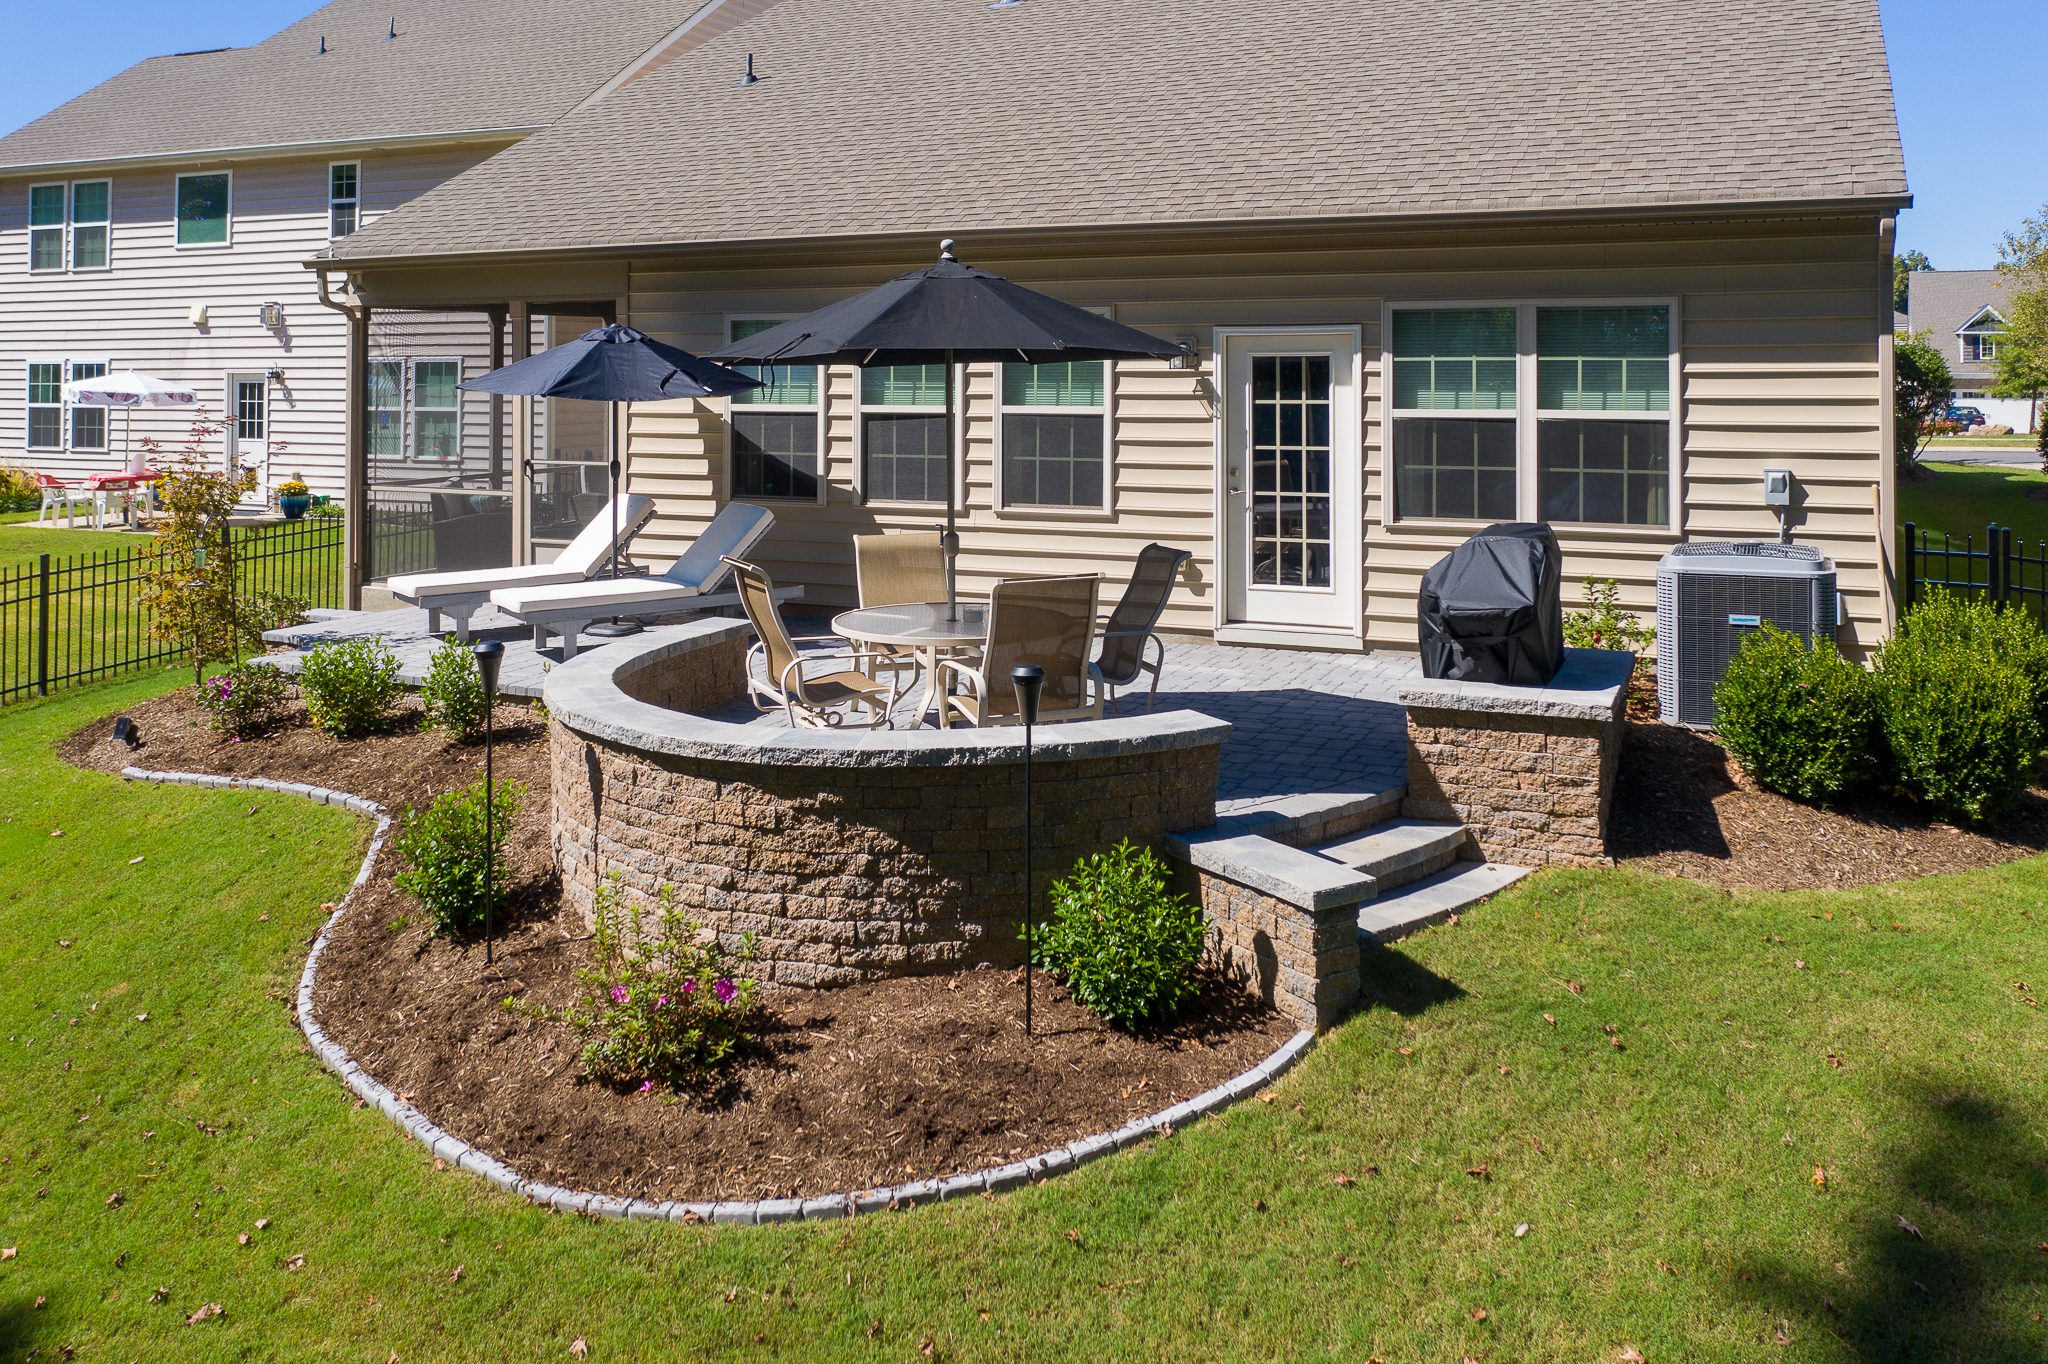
(1190, 356)
(1029, 680)
(489, 655)
(271, 316)
(196, 314)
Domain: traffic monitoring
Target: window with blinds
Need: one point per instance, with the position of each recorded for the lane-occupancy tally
(68, 226)
(344, 198)
(903, 433)
(1603, 415)
(1054, 428)
(1462, 362)
(775, 428)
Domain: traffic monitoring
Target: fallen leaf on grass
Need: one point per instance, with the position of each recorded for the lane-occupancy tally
(1405, 1051)
(212, 1309)
(1267, 1096)
(41, 1302)
(1550, 1020)
(142, 1018)
(56, 833)
(1820, 1177)
(927, 1347)
(1521, 1230)
(262, 1222)
(1666, 1266)
(162, 1294)
(295, 1262)
(63, 942)
(133, 861)
(241, 1238)
(732, 1294)
(875, 1328)
(1074, 1236)
(1909, 1228)
(456, 1275)
(579, 1347)
(1798, 965)
(114, 1198)
(1479, 1314)
(1480, 1172)
(1628, 1354)
(1575, 987)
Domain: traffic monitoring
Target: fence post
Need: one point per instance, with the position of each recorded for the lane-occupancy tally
(1911, 586)
(1994, 570)
(43, 625)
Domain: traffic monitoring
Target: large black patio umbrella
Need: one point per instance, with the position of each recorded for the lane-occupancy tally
(613, 364)
(947, 314)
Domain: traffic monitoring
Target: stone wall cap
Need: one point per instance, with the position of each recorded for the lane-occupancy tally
(1592, 685)
(588, 696)
(1296, 875)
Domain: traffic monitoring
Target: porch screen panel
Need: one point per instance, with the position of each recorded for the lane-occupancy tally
(1291, 455)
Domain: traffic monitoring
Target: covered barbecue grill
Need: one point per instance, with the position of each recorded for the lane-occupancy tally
(1489, 610)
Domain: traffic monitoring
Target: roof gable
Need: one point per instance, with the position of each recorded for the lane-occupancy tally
(896, 116)
(1985, 321)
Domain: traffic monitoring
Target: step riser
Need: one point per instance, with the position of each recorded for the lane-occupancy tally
(1389, 877)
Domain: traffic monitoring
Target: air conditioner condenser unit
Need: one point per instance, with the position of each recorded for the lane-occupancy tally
(1713, 595)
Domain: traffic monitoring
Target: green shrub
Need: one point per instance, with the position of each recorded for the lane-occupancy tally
(350, 686)
(453, 694)
(1801, 721)
(18, 490)
(662, 1004)
(1119, 939)
(1604, 624)
(444, 848)
(262, 611)
(245, 699)
(1960, 688)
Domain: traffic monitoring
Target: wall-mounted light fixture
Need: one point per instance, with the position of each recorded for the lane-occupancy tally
(196, 314)
(271, 315)
(1190, 356)
(275, 375)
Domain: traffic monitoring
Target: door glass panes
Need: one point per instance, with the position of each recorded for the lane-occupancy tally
(45, 406)
(1454, 467)
(88, 424)
(248, 409)
(202, 210)
(1290, 455)
(386, 410)
(89, 215)
(46, 227)
(1603, 359)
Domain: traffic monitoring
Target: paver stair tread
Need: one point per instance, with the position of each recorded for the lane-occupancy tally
(1400, 911)
(1387, 849)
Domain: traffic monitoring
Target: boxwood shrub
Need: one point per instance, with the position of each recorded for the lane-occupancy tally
(444, 845)
(1120, 941)
(1800, 720)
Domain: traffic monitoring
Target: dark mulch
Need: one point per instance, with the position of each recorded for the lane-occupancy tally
(851, 1088)
(1683, 807)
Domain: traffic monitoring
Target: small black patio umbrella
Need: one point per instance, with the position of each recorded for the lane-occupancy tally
(947, 314)
(613, 364)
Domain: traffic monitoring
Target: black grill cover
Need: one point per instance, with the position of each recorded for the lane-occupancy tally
(1489, 610)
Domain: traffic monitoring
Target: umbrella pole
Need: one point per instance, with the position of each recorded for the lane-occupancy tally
(949, 544)
(618, 626)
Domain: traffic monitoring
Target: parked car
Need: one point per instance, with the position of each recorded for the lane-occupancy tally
(1965, 417)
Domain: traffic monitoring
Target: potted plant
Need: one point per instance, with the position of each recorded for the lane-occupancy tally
(293, 497)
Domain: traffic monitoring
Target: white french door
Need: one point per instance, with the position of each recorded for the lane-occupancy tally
(248, 427)
(1291, 469)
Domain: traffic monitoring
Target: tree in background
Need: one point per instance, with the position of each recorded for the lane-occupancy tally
(1902, 267)
(2020, 369)
(1921, 385)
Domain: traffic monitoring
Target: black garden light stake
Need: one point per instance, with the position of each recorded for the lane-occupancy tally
(489, 654)
(1029, 680)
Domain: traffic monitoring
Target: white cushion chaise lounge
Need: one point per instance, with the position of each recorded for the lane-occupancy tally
(691, 584)
(463, 593)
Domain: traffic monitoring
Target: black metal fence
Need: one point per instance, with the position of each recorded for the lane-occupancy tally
(1997, 565)
(67, 619)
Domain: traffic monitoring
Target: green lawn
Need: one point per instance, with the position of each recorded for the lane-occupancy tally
(1962, 499)
(2020, 441)
(1668, 1184)
(21, 541)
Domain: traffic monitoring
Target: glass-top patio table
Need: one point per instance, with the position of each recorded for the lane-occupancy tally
(924, 628)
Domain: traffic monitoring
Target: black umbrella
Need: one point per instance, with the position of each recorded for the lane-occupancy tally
(614, 364)
(947, 314)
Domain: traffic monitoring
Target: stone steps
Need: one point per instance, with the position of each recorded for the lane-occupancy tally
(1398, 851)
(1432, 899)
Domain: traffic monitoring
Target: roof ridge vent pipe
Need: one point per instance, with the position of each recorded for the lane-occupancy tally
(323, 46)
(750, 78)
(392, 32)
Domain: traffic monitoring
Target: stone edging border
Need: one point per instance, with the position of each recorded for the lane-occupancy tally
(849, 1204)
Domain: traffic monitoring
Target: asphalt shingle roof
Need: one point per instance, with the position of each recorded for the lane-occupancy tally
(1941, 301)
(941, 115)
(457, 66)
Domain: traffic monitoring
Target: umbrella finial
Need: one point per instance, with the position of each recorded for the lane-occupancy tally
(946, 250)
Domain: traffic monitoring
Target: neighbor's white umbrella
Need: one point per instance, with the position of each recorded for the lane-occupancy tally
(128, 390)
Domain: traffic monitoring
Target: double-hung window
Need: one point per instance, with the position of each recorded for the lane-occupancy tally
(205, 209)
(1560, 414)
(385, 402)
(414, 409)
(68, 226)
(903, 433)
(53, 423)
(1054, 430)
(344, 198)
(775, 428)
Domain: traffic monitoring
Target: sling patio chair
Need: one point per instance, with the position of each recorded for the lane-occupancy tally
(898, 570)
(1133, 626)
(462, 593)
(1046, 621)
(775, 665)
(690, 584)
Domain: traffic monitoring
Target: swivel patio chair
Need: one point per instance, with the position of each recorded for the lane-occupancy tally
(1135, 623)
(775, 665)
(1046, 621)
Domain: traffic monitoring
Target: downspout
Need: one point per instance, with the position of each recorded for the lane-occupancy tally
(1887, 518)
(355, 476)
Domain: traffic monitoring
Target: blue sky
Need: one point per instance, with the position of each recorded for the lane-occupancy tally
(1976, 150)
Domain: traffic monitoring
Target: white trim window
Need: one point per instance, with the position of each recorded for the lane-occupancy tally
(54, 424)
(1054, 448)
(903, 439)
(204, 209)
(384, 404)
(69, 226)
(1561, 413)
(777, 440)
(1979, 347)
(344, 198)
(437, 410)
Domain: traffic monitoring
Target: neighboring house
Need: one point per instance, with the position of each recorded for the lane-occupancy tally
(1962, 312)
(158, 222)
(1443, 265)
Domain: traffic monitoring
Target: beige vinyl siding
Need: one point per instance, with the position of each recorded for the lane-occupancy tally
(1779, 325)
(136, 313)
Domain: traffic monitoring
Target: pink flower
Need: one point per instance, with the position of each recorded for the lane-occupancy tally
(620, 994)
(647, 1086)
(689, 985)
(660, 1000)
(724, 990)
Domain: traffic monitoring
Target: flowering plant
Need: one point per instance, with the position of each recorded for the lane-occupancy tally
(244, 699)
(295, 486)
(661, 1003)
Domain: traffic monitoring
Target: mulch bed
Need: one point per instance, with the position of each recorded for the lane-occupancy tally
(1684, 808)
(849, 1089)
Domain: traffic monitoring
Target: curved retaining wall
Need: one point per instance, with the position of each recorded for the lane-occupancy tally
(850, 855)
